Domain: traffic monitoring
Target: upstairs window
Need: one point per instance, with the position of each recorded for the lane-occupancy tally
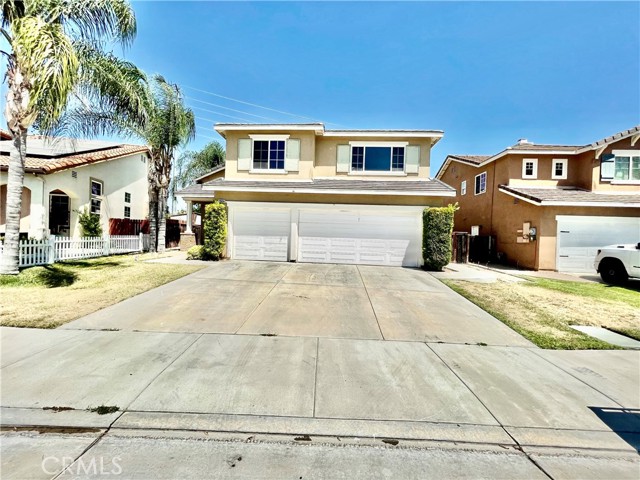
(481, 183)
(127, 212)
(97, 188)
(373, 158)
(559, 169)
(268, 154)
(621, 166)
(463, 187)
(530, 168)
(127, 197)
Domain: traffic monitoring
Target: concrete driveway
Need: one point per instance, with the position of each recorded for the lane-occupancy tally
(337, 301)
(366, 361)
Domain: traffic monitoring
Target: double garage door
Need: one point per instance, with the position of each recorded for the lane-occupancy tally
(580, 237)
(363, 235)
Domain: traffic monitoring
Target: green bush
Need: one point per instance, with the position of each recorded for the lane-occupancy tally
(215, 229)
(197, 252)
(89, 223)
(437, 228)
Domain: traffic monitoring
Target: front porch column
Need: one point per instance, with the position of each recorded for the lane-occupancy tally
(189, 217)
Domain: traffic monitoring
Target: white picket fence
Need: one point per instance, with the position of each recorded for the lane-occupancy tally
(53, 249)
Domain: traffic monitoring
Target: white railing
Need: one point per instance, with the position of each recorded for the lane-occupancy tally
(53, 249)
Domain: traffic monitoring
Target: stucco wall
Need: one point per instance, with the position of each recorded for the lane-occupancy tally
(25, 213)
(608, 186)
(338, 199)
(318, 157)
(307, 154)
(127, 174)
(473, 209)
(326, 157)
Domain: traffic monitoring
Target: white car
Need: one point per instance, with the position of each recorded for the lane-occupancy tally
(617, 263)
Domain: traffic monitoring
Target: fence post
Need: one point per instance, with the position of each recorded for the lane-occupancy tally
(141, 242)
(106, 245)
(52, 249)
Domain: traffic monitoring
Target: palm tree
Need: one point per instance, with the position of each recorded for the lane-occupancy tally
(170, 125)
(167, 124)
(191, 165)
(57, 48)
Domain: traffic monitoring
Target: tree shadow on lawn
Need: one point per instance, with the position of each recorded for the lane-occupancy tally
(93, 265)
(53, 277)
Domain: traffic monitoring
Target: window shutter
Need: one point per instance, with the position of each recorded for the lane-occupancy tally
(343, 158)
(292, 162)
(412, 154)
(607, 166)
(244, 154)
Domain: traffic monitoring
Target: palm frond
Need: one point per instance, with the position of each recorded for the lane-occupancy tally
(47, 59)
(92, 20)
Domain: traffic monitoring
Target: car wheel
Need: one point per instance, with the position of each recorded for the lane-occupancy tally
(613, 272)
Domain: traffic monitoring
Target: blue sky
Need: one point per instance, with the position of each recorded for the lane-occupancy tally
(485, 73)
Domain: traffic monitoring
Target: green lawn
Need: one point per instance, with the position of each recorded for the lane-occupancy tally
(49, 296)
(542, 309)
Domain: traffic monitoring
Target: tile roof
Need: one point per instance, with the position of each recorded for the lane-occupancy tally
(329, 186)
(572, 195)
(51, 165)
(542, 147)
(616, 136)
(475, 159)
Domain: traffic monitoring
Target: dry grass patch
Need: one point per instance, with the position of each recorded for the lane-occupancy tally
(542, 310)
(49, 296)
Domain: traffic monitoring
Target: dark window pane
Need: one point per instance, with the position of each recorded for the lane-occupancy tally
(276, 154)
(95, 206)
(357, 158)
(377, 159)
(260, 154)
(127, 212)
(397, 162)
(96, 188)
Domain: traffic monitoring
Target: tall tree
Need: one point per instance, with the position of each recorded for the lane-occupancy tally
(193, 164)
(57, 48)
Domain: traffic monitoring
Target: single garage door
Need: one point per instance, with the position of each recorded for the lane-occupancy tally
(261, 234)
(579, 238)
(362, 237)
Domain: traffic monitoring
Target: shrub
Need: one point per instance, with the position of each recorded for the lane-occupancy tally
(197, 252)
(437, 228)
(215, 229)
(89, 223)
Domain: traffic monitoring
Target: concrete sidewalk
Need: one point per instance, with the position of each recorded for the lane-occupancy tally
(191, 404)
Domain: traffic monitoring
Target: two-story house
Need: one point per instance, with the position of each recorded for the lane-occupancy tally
(64, 176)
(551, 206)
(300, 192)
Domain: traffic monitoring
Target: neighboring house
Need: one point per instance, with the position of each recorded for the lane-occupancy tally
(577, 198)
(63, 176)
(299, 192)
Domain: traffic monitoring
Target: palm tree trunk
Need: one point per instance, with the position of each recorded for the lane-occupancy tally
(17, 154)
(162, 219)
(153, 218)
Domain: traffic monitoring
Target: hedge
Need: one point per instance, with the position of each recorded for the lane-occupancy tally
(437, 228)
(215, 229)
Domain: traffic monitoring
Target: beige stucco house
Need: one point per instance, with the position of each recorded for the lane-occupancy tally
(65, 176)
(300, 192)
(576, 198)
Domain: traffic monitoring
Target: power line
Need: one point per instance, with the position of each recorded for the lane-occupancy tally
(220, 113)
(252, 104)
(232, 109)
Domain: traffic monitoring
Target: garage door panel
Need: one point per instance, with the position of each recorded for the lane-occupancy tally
(359, 238)
(261, 234)
(580, 237)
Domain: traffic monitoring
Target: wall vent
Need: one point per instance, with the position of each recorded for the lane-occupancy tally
(74, 174)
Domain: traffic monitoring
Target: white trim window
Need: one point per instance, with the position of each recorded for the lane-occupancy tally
(530, 168)
(268, 154)
(481, 183)
(559, 169)
(463, 187)
(97, 188)
(127, 211)
(378, 157)
(621, 166)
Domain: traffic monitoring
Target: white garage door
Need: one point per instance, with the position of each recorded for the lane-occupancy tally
(362, 237)
(261, 234)
(579, 238)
